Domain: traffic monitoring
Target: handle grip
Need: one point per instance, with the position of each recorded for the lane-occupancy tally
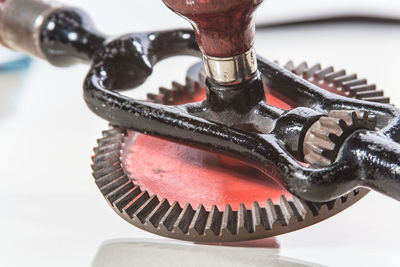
(224, 28)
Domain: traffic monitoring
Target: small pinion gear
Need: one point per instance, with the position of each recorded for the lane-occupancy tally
(326, 136)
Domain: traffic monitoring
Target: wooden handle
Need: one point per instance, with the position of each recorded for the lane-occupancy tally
(224, 28)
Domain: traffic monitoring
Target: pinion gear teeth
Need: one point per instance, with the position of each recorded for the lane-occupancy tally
(325, 137)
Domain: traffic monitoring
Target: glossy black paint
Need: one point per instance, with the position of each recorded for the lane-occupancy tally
(69, 37)
(233, 120)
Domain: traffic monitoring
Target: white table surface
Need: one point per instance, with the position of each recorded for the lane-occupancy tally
(52, 214)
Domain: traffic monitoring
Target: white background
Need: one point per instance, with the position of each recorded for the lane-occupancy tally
(51, 213)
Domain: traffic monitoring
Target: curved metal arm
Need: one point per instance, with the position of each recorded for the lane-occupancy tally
(125, 62)
(266, 152)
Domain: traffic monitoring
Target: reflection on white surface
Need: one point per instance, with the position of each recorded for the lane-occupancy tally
(153, 253)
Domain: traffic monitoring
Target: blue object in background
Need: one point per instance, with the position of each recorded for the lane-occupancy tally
(12, 61)
(18, 64)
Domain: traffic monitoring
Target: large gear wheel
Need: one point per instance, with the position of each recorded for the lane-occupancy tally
(327, 135)
(152, 212)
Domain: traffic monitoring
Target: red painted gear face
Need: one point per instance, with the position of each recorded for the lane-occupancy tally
(180, 173)
(187, 175)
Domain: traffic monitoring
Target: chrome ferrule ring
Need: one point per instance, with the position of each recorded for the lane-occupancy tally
(230, 70)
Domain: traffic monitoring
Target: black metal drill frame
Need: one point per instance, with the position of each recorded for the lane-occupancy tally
(233, 120)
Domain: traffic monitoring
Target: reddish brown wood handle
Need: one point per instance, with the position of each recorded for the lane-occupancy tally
(224, 28)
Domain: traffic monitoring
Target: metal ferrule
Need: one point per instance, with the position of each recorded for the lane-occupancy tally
(230, 70)
(21, 22)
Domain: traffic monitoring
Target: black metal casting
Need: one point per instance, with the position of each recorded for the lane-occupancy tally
(234, 120)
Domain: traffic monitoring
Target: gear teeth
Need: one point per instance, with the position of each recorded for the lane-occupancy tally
(122, 201)
(158, 213)
(378, 99)
(354, 90)
(214, 221)
(329, 77)
(166, 93)
(119, 190)
(168, 96)
(245, 220)
(104, 168)
(112, 132)
(314, 207)
(287, 211)
(109, 141)
(143, 212)
(331, 204)
(336, 115)
(316, 159)
(170, 217)
(303, 212)
(325, 137)
(160, 217)
(155, 98)
(272, 216)
(310, 72)
(179, 88)
(135, 204)
(330, 123)
(321, 134)
(229, 222)
(258, 217)
(320, 75)
(338, 81)
(289, 66)
(113, 155)
(102, 179)
(366, 94)
(300, 69)
(199, 221)
(347, 85)
(108, 148)
(111, 186)
(184, 219)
